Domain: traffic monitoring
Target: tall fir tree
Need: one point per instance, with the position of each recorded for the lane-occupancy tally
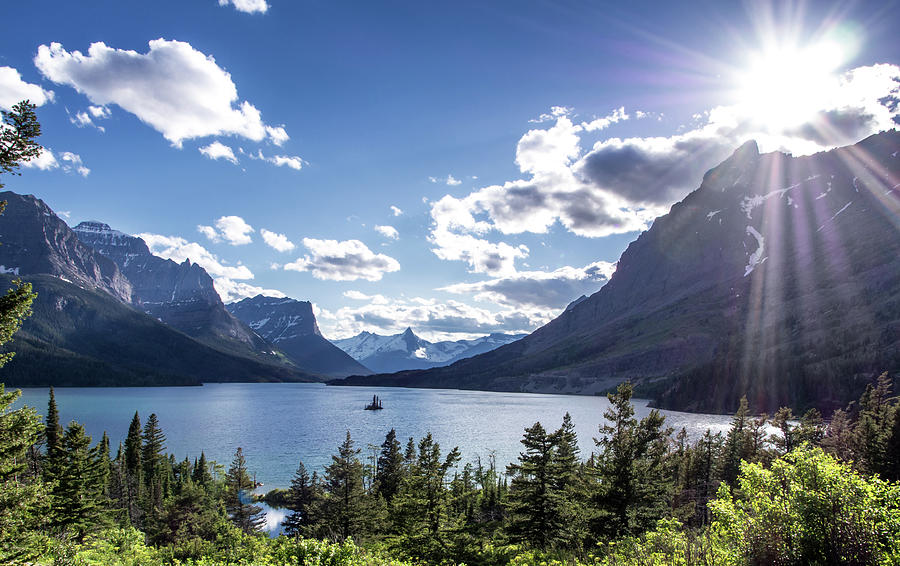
(536, 504)
(390, 467)
(77, 496)
(52, 434)
(635, 481)
(134, 471)
(246, 516)
(345, 507)
(301, 501)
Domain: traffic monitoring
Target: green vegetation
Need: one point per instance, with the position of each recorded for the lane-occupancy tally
(810, 493)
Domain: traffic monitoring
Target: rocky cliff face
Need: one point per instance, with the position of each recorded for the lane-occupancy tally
(181, 295)
(35, 240)
(290, 325)
(779, 279)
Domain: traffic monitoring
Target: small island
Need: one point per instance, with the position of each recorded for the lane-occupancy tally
(375, 405)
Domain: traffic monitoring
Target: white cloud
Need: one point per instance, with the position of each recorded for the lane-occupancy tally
(551, 290)
(388, 232)
(347, 260)
(217, 150)
(235, 230)
(72, 162)
(99, 112)
(277, 135)
(621, 185)
(276, 241)
(87, 117)
(431, 319)
(294, 162)
(13, 90)
(224, 276)
(396, 210)
(555, 112)
(67, 161)
(177, 90)
(450, 180)
(247, 6)
(45, 161)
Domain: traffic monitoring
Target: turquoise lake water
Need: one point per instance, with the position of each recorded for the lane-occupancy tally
(278, 424)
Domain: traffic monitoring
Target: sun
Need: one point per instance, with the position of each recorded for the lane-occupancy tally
(783, 85)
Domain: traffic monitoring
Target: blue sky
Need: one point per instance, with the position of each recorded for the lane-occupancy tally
(460, 168)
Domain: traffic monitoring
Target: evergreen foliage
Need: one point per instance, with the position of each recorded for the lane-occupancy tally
(245, 516)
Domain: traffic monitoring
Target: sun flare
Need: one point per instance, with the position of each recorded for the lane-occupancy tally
(784, 85)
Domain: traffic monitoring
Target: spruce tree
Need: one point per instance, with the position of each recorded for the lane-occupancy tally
(52, 434)
(635, 482)
(23, 501)
(390, 467)
(301, 500)
(201, 475)
(134, 483)
(535, 500)
(78, 494)
(737, 443)
(345, 506)
(246, 516)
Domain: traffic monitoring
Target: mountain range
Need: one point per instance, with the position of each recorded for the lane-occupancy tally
(291, 326)
(405, 351)
(778, 279)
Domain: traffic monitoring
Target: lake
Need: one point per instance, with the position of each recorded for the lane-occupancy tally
(278, 424)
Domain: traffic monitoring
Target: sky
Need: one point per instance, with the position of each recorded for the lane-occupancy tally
(460, 168)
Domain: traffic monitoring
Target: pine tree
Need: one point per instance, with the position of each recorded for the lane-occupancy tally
(52, 434)
(134, 482)
(737, 443)
(873, 426)
(535, 500)
(390, 467)
(345, 506)
(17, 138)
(301, 500)
(201, 475)
(77, 496)
(635, 482)
(23, 501)
(246, 516)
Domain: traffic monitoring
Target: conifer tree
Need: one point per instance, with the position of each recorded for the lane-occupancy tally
(52, 434)
(246, 516)
(134, 471)
(634, 479)
(737, 443)
(23, 501)
(345, 506)
(77, 496)
(390, 467)
(201, 475)
(301, 500)
(535, 498)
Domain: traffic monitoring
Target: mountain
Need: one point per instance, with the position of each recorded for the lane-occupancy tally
(290, 325)
(181, 295)
(778, 279)
(35, 240)
(85, 329)
(406, 351)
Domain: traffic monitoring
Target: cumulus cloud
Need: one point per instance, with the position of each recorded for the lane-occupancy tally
(13, 90)
(179, 91)
(550, 290)
(218, 150)
(347, 260)
(620, 185)
(232, 229)
(228, 279)
(45, 161)
(276, 241)
(360, 296)
(247, 6)
(388, 232)
(396, 210)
